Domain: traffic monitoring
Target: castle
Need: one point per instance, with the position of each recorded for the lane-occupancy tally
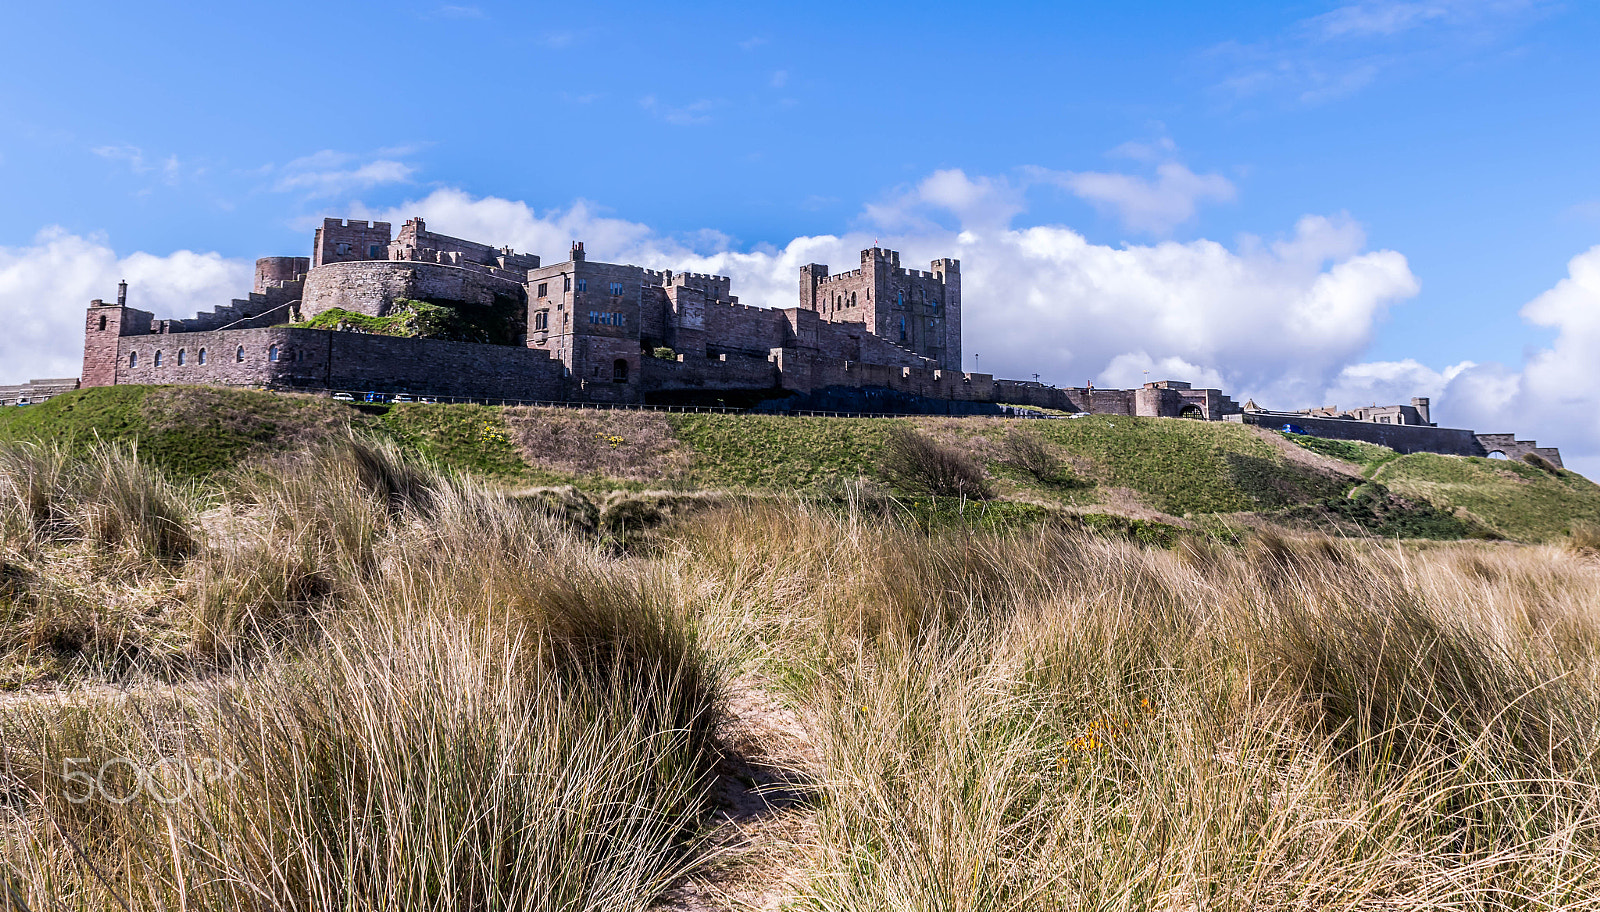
(876, 338)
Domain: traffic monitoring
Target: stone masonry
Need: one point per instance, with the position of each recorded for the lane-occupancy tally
(607, 332)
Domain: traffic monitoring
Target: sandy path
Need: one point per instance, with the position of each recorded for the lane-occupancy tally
(764, 827)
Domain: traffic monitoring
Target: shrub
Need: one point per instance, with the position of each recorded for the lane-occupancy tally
(664, 353)
(913, 461)
(1584, 536)
(1540, 463)
(1025, 448)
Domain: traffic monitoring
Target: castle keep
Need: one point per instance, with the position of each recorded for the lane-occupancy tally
(879, 337)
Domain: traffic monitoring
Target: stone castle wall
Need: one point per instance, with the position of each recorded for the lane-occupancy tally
(322, 359)
(369, 287)
(1516, 449)
(1402, 438)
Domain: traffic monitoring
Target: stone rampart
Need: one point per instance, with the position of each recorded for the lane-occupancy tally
(1402, 438)
(369, 287)
(1516, 449)
(322, 359)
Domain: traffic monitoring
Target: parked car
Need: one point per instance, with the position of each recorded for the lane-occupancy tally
(375, 397)
(24, 401)
(344, 397)
(428, 399)
(404, 397)
(1293, 429)
(1080, 414)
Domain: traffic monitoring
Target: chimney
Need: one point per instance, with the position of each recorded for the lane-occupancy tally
(577, 251)
(1420, 403)
(122, 293)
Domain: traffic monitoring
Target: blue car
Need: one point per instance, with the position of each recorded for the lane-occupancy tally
(375, 397)
(1293, 429)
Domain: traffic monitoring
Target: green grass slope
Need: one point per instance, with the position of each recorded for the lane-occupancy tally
(1179, 468)
(1515, 499)
(189, 431)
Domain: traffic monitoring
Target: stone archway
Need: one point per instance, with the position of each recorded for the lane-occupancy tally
(1192, 411)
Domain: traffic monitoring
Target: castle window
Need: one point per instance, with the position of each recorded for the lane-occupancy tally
(899, 299)
(272, 353)
(238, 354)
(544, 289)
(373, 251)
(619, 371)
(201, 357)
(583, 284)
(852, 299)
(566, 283)
(102, 323)
(902, 329)
(616, 288)
(133, 359)
(183, 357)
(541, 320)
(158, 359)
(342, 249)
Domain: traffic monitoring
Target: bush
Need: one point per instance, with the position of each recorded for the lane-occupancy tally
(1025, 449)
(916, 462)
(1540, 463)
(664, 353)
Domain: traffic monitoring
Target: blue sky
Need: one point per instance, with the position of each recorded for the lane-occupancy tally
(1298, 200)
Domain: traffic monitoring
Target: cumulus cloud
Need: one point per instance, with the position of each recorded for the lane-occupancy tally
(1553, 396)
(1155, 205)
(1276, 318)
(45, 286)
(1283, 320)
(331, 173)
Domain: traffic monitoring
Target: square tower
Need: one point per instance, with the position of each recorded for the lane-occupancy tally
(915, 310)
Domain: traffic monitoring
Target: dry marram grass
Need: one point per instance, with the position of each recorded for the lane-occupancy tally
(441, 696)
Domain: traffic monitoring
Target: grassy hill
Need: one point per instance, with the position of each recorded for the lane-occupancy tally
(1162, 470)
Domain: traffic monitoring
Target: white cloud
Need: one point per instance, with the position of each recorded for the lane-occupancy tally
(780, 78)
(973, 201)
(1277, 319)
(1284, 321)
(331, 173)
(46, 286)
(1142, 204)
(1554, 396)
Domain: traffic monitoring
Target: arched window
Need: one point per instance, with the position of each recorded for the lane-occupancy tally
(202, 356)
(272, 353)
(183, 357)
(102, 322)
(619, 371)
(238, 354)
(1498, 454)
(158, 359)
(852, 299)
(902, 329)
(133, 359)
